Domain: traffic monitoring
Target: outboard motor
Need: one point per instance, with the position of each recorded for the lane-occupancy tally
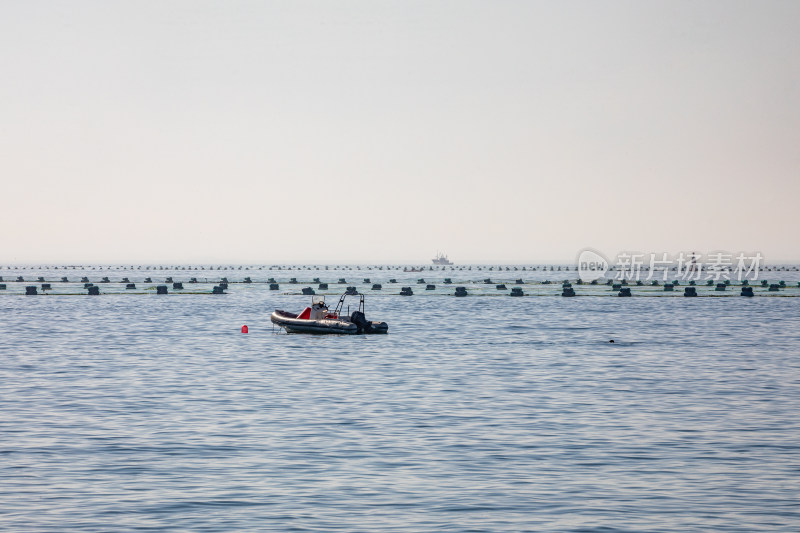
(359, 319)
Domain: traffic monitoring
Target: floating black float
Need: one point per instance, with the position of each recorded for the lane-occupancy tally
(275, 286)
(94, 290)
(392, 280)
(406, 291)
(366, 280)
(669, 287)
(461, 291)
(217, 290)
(308, 291)
(500, 287)
(420, 281)
(30, 291)
(448, 281)
(177, 285)
(377, 287)
(20, 278)
(342, 280)
(161, 289)
(616, 287)
(568, 291)
(773, 287)
(430, 287)
(746, 291)
(46, 286)
(87, 285)
(690, 291)
(192, 280)
(323, 286)
(130, 286)
(351, 291)
(720, 287)
(625, 291)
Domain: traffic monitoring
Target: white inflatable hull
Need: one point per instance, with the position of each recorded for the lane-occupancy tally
(321, 327)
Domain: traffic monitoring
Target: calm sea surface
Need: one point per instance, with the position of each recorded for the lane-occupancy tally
(137, 412)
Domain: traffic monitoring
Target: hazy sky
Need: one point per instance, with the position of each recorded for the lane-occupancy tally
(384, 131)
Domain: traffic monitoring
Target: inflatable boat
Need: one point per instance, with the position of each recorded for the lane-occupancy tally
(318, 319)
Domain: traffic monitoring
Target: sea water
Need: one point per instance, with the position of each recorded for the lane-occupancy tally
(137, 412)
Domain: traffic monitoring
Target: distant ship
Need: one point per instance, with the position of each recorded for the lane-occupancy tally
(441, 259)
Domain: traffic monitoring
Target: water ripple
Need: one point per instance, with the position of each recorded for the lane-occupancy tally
(134, 413)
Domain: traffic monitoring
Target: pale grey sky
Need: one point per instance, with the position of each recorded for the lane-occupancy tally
(235, 131)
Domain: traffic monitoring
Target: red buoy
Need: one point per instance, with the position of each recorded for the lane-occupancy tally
(244, 328)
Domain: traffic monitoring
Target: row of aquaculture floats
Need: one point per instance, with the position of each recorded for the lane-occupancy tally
(443, 287)
(542, 268)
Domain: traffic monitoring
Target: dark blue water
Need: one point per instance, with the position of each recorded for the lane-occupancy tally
(140, 412)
